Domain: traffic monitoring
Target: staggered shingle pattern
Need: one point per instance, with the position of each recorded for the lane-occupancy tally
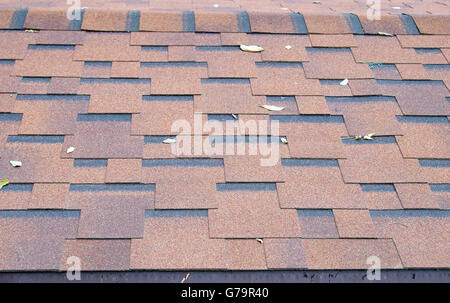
(112, 84)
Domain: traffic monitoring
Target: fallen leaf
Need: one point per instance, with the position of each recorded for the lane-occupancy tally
(31, 31)
(185, 277)
(216, 5)
(344, 82)
(272, 107)
(170, 140)
(3, 183)
(358, 137)
(234, 116)
(288, 47)
(316, 2)
(16, 163)
(396, 7)
(369, 137)
(251, 48)
(260, 240)
(70, 150)
(385, 34)
(284, 140)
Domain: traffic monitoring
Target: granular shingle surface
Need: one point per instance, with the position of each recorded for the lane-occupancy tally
(87, 106)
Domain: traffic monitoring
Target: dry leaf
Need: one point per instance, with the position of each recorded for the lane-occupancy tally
(3, 183)
(70, 150)
(170, 140)
(272, 107)
(216, 5)
(251, 48)
(344, 82)
(288, 47)
(31, 31)
(185, 277)
(396, 7)
(385, 34)
(16, 163)
(284, 140)
(369, 137)
(234, 116)
(316, 2)
(260, 240)
(358, 137)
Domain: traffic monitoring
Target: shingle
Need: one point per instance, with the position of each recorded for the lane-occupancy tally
(312, 105)
(365, 115)
(49, 116)
(157, 38)
(50, 19)
(228, 96)
(418, 97)
(123, 171)
(49, 196)
(14, 45)
(34, 240)
(390, 166)
(354, 223)
(350, 253)
(110, 214)
(60, 37)
(15, 196)
(317, 223)
(275, 47)
(316, 184)
(290, 77)
(424, 137)
(324, 131)
(106, 47)
(326, 24)
(415, 195)
(103, 139)
(182, 53)
(254, 168)
(41, 162)
(106, 96)
(174, 78)
(424, 41)
(421, 239)
(251, 214)
(412, 71)
(228, 62)
(380, 196)
(216, 21)
(245, 254)
(104, 20)
(284, 253)
(340, 40)
(98, 255)
(183, 187)
(161, 21)
(189, 245)
(265, 22)
(387, 24)
(60, 85)
(158, 113)
(334, 63)
(382, 49)
(47, 61)
(432, 24)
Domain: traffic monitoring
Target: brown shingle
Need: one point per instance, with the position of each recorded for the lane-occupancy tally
(49, 196)
(251, 214)
(350, 253)
(98, 254)
(354, 223)
(189, 245)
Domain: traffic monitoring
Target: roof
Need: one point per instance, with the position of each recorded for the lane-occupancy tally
(112, 84)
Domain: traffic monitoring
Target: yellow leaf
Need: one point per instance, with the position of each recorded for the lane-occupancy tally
(3, 183)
